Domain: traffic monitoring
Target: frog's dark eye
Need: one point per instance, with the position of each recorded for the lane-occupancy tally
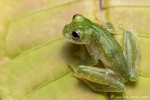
(76, 35)
(75, 16)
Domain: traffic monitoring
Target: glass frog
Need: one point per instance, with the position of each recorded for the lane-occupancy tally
(99, 42)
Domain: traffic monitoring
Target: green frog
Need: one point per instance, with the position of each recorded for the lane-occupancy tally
(120, 66)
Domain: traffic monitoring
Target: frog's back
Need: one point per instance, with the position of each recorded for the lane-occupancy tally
(111, 53)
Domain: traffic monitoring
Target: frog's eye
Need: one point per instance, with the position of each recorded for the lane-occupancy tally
(78, 17)
(75, 16)
(76, 35)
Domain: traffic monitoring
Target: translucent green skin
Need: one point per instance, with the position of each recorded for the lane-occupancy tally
(101, 45)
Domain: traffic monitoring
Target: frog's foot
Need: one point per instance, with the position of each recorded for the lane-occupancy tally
(99, 79)
(132, 54)
(74, 69)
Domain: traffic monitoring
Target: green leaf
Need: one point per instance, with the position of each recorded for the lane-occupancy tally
(133, 15)
(34, 56)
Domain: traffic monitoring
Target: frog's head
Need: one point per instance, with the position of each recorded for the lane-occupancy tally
(78, 31)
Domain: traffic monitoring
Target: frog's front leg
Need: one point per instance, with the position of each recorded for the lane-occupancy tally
(90, 61)
(82, 53)
(87, 58)
(110, 28)
(132, 54)
(102, 19)
(99, 79)
(93, 59)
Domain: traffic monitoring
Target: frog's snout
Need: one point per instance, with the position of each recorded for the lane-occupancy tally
(64, 30)
(65, 33)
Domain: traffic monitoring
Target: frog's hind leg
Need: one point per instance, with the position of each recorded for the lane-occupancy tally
(132, 54)
(103, 88)
(99, 79)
